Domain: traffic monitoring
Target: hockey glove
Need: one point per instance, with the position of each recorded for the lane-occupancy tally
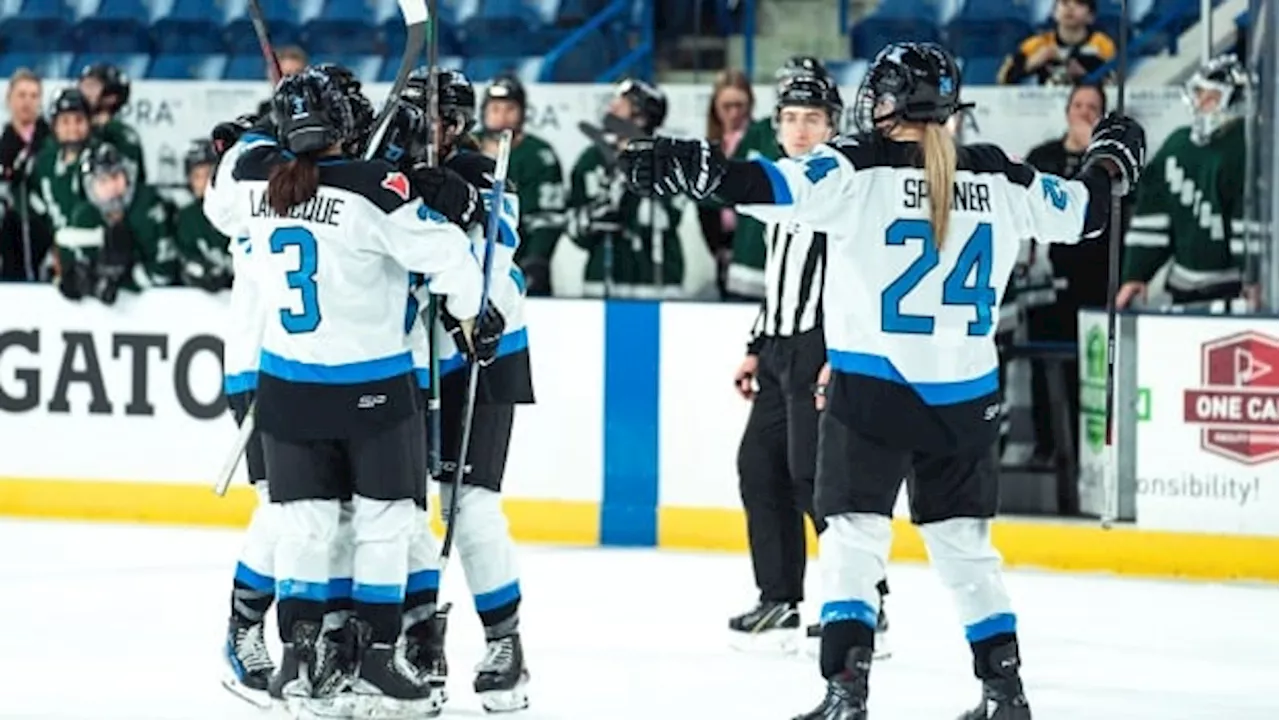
(226, 134)
(599, 217)
(446, 192)
(206, 276)
(1120, 146)
(114, 262)
(76, 280)
(485, 334)
(663, 166)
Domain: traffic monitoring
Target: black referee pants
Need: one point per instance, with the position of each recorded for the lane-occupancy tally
(777, 461)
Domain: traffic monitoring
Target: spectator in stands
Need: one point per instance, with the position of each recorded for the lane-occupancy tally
(22, 247)
(1064, 55)
(535, 171)
(292, 60)
(1079, 271)
(119, 237)
(106, 88)
(204, 255)
(633, 245)
(729, 123)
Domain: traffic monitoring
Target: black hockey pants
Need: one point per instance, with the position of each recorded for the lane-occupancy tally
(777, 462)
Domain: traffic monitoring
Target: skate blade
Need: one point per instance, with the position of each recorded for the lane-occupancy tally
(338, 707)
(505, 701)
(257, 698)
(768, 642)
(381, 707)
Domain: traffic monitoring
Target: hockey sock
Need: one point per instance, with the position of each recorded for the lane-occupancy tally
(381, 529)
(422, 589)
(251, 595)
(254, 585)
(854, 549)
(961, 551)
(307, 529)
(488, 559)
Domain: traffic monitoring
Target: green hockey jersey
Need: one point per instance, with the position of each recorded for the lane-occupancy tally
(126, 140)
(204, 254)
(1188, 207)
(148, 220)
(746, 269)
(539, 181)
(56, 187)
(633, 253)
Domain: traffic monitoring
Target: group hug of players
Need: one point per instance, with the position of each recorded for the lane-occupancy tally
(335, 254)
(340, 239)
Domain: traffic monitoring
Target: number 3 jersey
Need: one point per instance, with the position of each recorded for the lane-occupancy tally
(331, 277)
(905, 320)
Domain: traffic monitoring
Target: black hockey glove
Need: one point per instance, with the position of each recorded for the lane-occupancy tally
(114, 262)
(75, 280)
(446, 192)
(206, 276)
(485, 337)
(663, 166)
(226, 134)
(1119, 146)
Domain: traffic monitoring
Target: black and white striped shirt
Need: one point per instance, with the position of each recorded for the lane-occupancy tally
(794, 270)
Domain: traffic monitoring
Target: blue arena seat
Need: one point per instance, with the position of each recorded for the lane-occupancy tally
(187, 66)
(46, 65)
(133, 64)
(980, 70)
(989, 28)
(344, 26)
(584, 62)
(391, 65)
(896, 21)
(364, 66)
(485, 68)
(512, 28)
(119, 26)
(247, 66)
(575, 12)
(283, 22)
(847, 73)
(38, 26)
(189, 27)
(393, 37)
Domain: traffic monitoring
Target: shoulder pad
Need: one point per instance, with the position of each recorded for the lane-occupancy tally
(476, 168)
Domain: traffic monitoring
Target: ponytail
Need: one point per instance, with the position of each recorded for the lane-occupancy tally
(940, 174)
(292, 183)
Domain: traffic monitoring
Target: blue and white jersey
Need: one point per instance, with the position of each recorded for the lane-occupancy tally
(898, 307)
(242, 338)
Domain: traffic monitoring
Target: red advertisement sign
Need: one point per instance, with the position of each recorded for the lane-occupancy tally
(1238, 402)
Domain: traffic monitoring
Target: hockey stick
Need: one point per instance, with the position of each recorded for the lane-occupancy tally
(264, 42)
(432, 316)
(415, 20)
(1110, 478)
(468, 410)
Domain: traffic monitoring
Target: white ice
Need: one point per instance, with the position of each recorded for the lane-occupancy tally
(104, 622)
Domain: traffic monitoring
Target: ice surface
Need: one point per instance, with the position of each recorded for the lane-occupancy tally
(107, 622)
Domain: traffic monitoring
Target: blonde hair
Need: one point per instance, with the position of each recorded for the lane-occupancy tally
(939, 151)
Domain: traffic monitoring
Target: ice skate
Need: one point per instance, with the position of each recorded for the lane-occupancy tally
(424, 649)
(310, 682)
(846, 697)
(771, 627)
(250, 665)
(387, 686)
(813, 637)
(501, 678)
(1002, 694)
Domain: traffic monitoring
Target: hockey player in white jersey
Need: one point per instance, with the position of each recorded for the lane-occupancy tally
(337, 405)
(923, 236)
(485, 547)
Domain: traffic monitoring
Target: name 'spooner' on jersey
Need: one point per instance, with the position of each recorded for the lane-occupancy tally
(337, 270)
(896, 307)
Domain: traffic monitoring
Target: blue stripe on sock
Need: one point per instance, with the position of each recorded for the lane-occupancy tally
(990, 627)
(841, 610)
(422, 580)
(339, 588)
(495, 599)
(629, 508)
(290, 589)
(377, 594)
(247, 576)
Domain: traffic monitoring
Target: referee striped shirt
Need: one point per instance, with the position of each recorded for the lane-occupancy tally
(795, 272)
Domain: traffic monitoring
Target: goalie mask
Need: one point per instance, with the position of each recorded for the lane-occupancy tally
(1216, 94)
(109, 179)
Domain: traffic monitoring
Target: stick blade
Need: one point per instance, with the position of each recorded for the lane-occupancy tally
(414, 11)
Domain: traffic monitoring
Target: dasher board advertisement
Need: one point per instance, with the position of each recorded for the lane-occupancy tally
(1207, 450)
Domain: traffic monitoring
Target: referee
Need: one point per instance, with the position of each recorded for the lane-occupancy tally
(778, 455)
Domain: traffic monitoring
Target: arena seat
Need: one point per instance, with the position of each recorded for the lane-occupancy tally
(133, 64)
(37, 26)
(117, 26)
(989, 28)
(344, 26)
(188, 27)
(46, 65)
(283, 23)
(187, 66)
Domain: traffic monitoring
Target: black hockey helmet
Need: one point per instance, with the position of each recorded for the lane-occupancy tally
(103, 163)
(813, 92)
(913, 82)
(116, 86)
(649, 102)
(312, 113)
(801, 65)
(68, 100)
(200, 153)
(507, 88)
(456, 99)
(1230, 78)
(361, 109)
(403, 140)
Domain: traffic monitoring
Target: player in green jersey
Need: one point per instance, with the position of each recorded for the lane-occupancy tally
(535, 171)
(1189, 202)
(55, 188)
(204, 256)
(107, 88)
(121, 236)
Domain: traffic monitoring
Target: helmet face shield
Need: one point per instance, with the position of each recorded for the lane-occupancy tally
(110, 188)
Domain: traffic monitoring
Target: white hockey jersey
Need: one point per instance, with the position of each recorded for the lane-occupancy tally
(896, 307)
(242, 338)
(335, 270)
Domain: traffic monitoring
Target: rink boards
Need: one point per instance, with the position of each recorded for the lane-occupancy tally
(116, 414)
